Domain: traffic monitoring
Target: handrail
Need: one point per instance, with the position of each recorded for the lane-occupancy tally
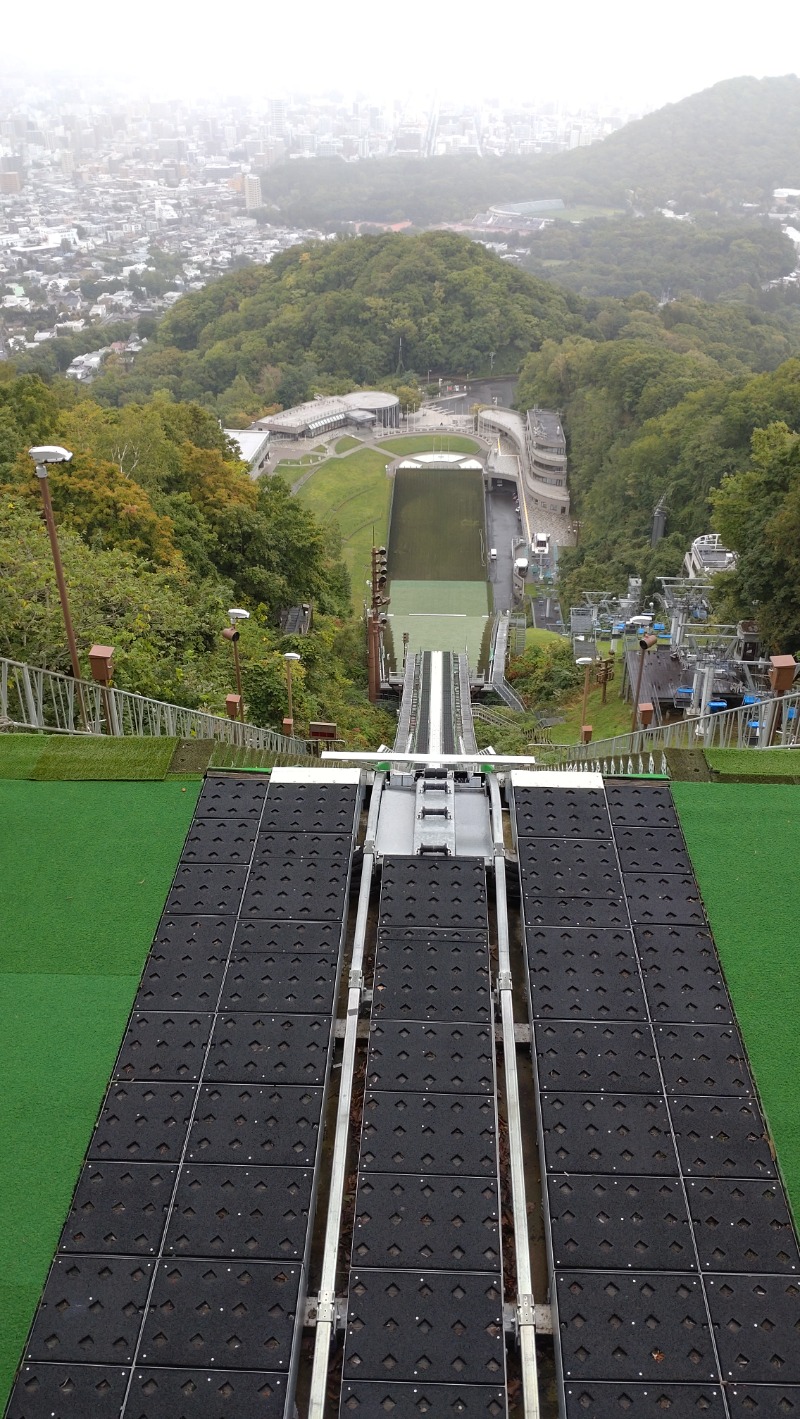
(771, 722)
(34, 698)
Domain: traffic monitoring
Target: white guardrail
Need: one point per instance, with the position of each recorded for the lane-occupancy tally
(32, 698)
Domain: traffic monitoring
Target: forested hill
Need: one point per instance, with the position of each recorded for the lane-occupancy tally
(730, 144)
(354, 311)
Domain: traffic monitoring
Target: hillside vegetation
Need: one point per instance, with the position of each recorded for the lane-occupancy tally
(730, 144)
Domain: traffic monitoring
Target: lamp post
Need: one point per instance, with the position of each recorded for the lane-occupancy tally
(232, 633)
(42, 457)
(291, 657)
(586, 662)
(646, 642)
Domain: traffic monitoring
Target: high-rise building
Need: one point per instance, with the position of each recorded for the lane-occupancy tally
(252, 191)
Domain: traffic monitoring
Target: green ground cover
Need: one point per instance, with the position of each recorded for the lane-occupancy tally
(439, 615)
(754, 763)
(343, 445)
(432, 443)
(744, 841)
(437, 529)
(19, 753)
(354, 492)
(70, 757)
(86, 869)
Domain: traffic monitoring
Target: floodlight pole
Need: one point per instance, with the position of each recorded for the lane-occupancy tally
(44, 484)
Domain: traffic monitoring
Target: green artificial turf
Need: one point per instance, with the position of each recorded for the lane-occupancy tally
(86, 869)
(96, 757)
(744, 841)
(762, 764)
(19, 753)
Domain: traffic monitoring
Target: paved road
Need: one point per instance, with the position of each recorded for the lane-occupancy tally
(502, 526)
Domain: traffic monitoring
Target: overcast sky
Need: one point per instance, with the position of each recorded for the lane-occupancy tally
(623, 52)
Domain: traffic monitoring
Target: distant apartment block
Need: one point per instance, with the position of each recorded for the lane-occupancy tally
(252, 192)
(546, 448)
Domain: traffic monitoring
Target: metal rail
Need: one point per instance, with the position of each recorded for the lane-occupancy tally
(33, 698)
(525, 1310)
(326, 1305)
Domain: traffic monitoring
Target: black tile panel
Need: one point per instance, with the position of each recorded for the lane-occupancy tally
(555, 868)
(442, 1223)
(373, 1398)
(682, 977)
(119, 1207)
(756, 1323)
(625, 1134)
(721, 1137)
(187, 978)
(703, 1059)
(143, 1122)
(242, 1124)
(588, 974)
(774, 1401)
(320, 853)
(652, 850)
(68, 1391)
(644, 1326)
(164, 1044)
(434, 1327)
(663, 899)
(206, 1394)
(640, 805)
(429, 1133)
(742, 1225)
(252, 1047)
(432, 980)
(231, 1315)
(297, 887)
(443, 893)
(229, 796)
(193, 936)
(202, 888)
(91, 1310)
(574, 911)
(220, 840)
(584, 1055)
(600, 1399)
(299, 937)
(561, 813)
(611, 1223)
(224, 1211)
(289, 981)
(431, 1057)
(310, 808)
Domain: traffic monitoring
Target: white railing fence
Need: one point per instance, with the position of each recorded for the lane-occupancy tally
(32, 698)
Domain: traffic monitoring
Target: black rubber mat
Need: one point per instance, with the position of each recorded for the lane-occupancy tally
(248, 1124)
(193, 936)
(442, 1223)
(204, 888)
(432, 980)
(742, 1225)
(319, 852)
(436, 1327)
(285, 981)
(220, 840)
(433, 1057)
(663, 899)
(582, 1055)
(297, 888)
(295, 936)
(227, 796)
(321, 808)
(554, 868)
(626, 1326)
(683, 980)
(589, 974)
(119, 1207)
(607, 1133)
(652, 850)
(408, 1401)
(164, 1044)
(446, 893)
(601, 1400)
(73, 1324)
(721, 1137)
(608, 1223)
(182, 979)
(68, 1391)
(232, 1315)
(775, 1401)
(143, 1122)
(640, 805)
(756, 1323)
(574, 911)
(258, 1212)
(429, 1133)
(205, 1394)
(269, 1049)
(703, 1059)
(561, 813)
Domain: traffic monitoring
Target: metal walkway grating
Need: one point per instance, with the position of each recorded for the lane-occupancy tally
(674, 1262)
(425, 1326)
(180, 1278)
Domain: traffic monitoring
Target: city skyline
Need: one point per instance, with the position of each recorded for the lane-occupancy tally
(608, 55)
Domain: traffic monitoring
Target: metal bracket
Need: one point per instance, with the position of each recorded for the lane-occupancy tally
(503, 981)
(499, 850)
(356, 980)
(526, 1310)
(326, 1309)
